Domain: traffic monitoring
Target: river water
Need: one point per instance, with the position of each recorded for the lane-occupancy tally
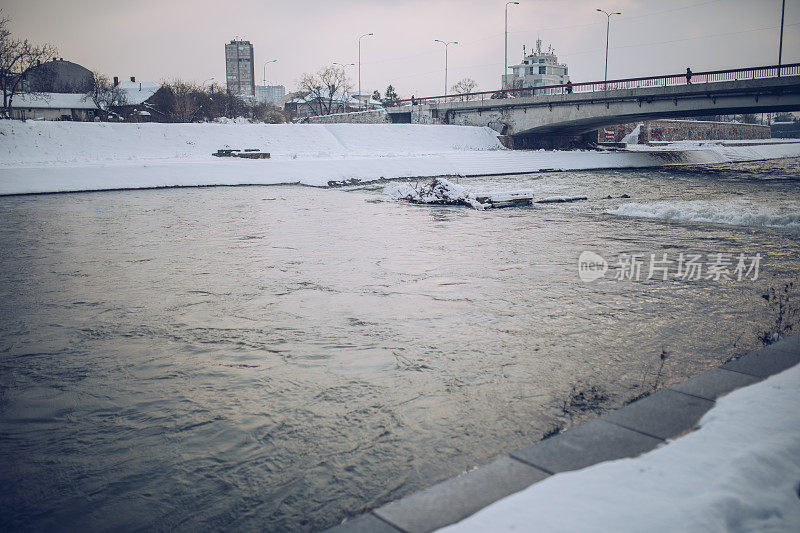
(281, 358)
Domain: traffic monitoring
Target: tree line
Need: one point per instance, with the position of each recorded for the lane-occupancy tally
(181, 101)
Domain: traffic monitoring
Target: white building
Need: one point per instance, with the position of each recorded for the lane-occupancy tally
(270, 94)
(537, 69)
(53, 106)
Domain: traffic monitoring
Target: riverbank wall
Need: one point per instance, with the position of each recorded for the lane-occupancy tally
(630, 431)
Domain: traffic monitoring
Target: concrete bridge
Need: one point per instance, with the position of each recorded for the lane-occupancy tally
(554, 115)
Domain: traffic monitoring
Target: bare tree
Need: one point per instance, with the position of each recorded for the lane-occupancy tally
(186, 100)
(104, 94)
(327, 90)
(17, 58)
(463, 87)
(268, 113)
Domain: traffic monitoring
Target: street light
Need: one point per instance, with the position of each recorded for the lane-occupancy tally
(265, 70)
(505, 71)
(608, 27)
(446, 44)
(204, 82)
(359, 66)
(780, 42)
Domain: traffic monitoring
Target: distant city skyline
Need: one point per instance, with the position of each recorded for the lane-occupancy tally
(165, 40)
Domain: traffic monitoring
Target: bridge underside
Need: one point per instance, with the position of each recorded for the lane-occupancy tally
(765, 104)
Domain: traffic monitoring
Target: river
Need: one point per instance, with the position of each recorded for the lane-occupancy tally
(281, 358)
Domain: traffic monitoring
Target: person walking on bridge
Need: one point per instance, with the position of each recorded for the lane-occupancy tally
(688, 76)
(569, 87)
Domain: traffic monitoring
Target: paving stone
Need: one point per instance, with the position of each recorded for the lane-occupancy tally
(768, 360)
(714, 383)
(367, 523)
(789, 344)
(664, 415)
(457, 498)
(585, 445)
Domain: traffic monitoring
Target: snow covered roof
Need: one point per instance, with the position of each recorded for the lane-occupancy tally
(53, 101)
(137, 92)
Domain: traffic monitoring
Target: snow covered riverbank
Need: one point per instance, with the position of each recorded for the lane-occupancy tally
(38, 157)
(739, 472)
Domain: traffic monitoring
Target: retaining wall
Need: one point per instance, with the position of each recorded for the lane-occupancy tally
(378, 116)
(627, 432)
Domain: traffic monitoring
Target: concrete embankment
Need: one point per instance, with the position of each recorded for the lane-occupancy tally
(40, 157)
(627, 432)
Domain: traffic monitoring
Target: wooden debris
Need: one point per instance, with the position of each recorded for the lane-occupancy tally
(247, 153)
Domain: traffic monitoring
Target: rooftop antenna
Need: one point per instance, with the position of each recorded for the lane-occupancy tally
(538, 45)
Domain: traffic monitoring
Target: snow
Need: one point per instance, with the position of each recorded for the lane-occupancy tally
(738, 472)
(732, 212)
(440, 191)
(633, 136)
(73, 156)
(137, 92)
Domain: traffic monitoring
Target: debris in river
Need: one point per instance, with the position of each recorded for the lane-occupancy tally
(247, 153)
(561, 199)
(344, 183)
(441, 191)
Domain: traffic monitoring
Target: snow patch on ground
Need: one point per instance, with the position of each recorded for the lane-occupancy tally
(733, 212)
(58, 143)
(739, 472)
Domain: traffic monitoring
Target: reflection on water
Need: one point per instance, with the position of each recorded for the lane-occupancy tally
(280, 358)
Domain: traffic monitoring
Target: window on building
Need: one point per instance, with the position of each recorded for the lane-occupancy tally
(542, 70)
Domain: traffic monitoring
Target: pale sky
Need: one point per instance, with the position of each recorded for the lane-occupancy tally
(156, 40)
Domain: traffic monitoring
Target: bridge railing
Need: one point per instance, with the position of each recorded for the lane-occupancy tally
(711, 76)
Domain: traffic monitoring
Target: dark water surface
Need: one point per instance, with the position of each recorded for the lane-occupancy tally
(280, 358)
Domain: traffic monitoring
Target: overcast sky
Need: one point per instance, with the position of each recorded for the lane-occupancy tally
(166, 39)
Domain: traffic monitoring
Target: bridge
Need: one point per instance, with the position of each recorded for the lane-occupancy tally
(552, 115)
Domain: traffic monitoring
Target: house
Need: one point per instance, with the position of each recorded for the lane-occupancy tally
(53, 106)
(138, 101)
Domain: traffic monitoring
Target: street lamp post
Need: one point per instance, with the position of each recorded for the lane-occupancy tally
(780, 42)
(265, 70)
(608, 28)
(359, 66)
(446, 44)
(505, 64)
